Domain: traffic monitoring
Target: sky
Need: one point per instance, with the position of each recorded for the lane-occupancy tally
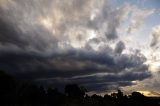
(103, 45)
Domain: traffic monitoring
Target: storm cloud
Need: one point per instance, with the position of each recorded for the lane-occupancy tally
(60, 42)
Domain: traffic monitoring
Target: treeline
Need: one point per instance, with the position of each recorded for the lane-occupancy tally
(13, 93)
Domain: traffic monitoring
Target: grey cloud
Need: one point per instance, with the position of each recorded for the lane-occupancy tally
(8, 34)
(119, 47)
(115, 18)
(101, 82)
(35, 37)
(155, 36)
(31, 32)
(31, 20)
(73, 64)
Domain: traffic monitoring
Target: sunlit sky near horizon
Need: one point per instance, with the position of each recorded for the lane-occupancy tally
(103, 45)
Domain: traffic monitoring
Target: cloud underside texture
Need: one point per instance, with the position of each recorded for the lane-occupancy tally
(52, 42)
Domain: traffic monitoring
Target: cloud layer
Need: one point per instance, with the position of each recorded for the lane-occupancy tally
(60, 42)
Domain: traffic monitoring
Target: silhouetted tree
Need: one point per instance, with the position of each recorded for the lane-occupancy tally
(7, 88)
(137, 95)
(54, 97)
(13, 93)
(97, 100)
(120, 94)
(73, 90)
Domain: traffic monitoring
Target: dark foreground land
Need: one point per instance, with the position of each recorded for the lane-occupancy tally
(14, 93)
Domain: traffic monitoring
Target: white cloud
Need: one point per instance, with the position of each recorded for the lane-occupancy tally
(155, 37)
(138, 15)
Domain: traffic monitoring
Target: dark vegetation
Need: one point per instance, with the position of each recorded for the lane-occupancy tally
(14, 93)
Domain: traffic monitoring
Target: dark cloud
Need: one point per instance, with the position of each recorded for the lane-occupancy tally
(103, 81)
(8, 34)
(84, 68)
(42, 47)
